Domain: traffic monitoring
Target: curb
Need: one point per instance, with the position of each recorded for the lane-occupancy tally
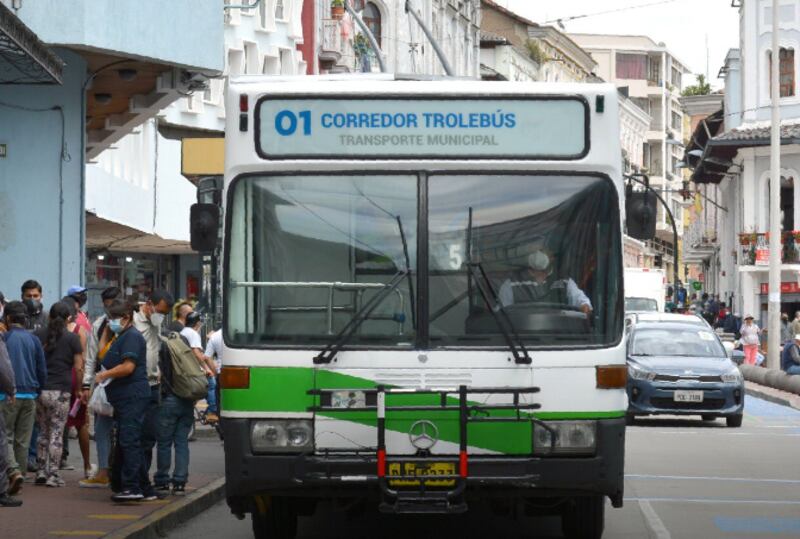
(158, 523)
(755, 392)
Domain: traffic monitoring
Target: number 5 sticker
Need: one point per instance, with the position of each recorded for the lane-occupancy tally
(455, 256)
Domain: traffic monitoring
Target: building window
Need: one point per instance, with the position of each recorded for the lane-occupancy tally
(677, 121)
(265, 15)
(786, 68)
(631, 66)
(279, 10)
(372, 18)
(676, 78)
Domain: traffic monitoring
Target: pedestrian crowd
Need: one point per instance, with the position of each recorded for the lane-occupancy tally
(136, 375)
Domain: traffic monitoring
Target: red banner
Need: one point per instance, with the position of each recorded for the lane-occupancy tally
(786, 288)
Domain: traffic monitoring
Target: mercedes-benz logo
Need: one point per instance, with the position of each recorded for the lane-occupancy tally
(423, 434)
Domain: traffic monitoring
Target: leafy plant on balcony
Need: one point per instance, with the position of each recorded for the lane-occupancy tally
(535, 52)
(337, 10)
(361, 45)
(747, 238)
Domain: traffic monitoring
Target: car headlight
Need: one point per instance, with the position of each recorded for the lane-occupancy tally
(637, 373)
(282, 436)
(732, 377)
(572, 438)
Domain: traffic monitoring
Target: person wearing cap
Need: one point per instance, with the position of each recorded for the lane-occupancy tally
(751, 338)
(539, 285)
(790, 358)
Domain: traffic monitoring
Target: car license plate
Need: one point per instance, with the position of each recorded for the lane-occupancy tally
(688, 396)
(421, 469)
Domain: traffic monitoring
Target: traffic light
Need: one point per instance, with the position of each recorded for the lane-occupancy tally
(640, 214)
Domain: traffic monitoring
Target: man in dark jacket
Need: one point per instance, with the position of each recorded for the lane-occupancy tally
(8, 390)
(30, 371)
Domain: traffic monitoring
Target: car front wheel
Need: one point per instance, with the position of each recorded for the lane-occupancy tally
(734, 420)
(583, 517)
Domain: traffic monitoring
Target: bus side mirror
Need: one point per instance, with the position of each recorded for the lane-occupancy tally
(204, 227)
(640, 215)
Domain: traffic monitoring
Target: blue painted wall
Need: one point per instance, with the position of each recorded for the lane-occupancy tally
(41, 237)
(187, 33)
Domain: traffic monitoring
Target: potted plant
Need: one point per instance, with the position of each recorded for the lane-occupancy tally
(337, 10)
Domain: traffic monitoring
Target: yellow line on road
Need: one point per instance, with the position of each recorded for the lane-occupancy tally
(114, 517)
(77, 533)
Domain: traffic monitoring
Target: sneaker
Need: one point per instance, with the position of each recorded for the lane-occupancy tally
(151, 494)
(41, 478)
(94, 482)
(65, 466)
(33, 466)
(90, 471)
(55, 481)
(211, 417)
(162, 489)
(9, 501)
(15, 483)
(179, 490)
(127, 496)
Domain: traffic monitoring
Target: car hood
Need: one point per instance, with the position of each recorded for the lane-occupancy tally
(683, 365)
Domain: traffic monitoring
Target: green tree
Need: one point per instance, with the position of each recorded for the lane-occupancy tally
(701, 88)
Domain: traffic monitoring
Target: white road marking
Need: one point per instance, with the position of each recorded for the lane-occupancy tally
(653, 521)
(716, 500)
(701, 478)
(720, 432)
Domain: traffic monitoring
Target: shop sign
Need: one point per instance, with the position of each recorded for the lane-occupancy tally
(762, 257)
(786, 288)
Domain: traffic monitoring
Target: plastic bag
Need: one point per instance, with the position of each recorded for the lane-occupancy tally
(98, 402)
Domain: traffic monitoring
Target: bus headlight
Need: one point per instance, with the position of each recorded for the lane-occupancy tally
(572, 438)
(282, 436)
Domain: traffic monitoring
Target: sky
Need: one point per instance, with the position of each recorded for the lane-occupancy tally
(683, 25)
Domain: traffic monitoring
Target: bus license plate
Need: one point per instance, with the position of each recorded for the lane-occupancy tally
(421, 468)
(688, 396)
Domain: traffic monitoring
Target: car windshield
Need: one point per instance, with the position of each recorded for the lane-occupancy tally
(641, 305)
(682, 342)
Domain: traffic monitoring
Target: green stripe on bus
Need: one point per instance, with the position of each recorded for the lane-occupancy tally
(284, 389)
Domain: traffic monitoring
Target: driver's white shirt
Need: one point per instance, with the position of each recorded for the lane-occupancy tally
(575, 296)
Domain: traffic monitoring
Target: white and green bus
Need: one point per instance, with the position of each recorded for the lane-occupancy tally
(423, 302)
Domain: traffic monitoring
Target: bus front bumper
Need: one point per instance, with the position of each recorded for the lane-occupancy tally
(318, 476)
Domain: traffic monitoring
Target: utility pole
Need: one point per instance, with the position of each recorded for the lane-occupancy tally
(775, 251)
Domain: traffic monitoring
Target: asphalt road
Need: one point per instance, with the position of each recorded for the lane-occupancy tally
(685, 479)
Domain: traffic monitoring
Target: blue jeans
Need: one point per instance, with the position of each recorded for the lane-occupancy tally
(211, 397)
(174, 423)
(129, 414)
(102, 438)
(794, 369)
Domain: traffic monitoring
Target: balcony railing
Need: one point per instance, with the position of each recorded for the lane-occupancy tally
(754, 248)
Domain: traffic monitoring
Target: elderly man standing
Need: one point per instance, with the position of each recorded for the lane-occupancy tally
(148, 321)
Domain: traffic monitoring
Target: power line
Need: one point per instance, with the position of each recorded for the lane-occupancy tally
(562, 20)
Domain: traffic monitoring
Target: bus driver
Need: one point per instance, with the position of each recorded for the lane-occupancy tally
(543, 287)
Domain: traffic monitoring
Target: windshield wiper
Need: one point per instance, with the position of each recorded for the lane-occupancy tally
(330, 351)
(499, 314)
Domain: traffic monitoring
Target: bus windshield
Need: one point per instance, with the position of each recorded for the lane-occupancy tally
(306, 252)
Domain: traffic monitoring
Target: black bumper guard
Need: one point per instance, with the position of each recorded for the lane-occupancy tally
(437, 500)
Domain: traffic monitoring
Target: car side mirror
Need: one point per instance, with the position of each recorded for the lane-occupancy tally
(204, 227)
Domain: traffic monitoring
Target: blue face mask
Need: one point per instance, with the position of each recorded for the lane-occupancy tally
(115, 325)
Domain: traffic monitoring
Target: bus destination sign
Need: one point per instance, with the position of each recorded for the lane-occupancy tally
(395, 128)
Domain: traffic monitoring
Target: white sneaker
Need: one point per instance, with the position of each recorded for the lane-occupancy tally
(55, 481)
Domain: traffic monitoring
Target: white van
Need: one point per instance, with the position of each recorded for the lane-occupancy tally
(645, 289)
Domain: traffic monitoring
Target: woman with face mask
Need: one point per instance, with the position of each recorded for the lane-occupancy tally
(125, 375)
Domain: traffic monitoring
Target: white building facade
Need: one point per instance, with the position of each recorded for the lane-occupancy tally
(737, 160)
(138, 200)
(654, 78)
(344, 48)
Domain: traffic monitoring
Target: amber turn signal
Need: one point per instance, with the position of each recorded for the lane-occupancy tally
(234, 378)
(611, 376)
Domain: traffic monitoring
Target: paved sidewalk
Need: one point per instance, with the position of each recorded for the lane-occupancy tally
(773, 395)
(81, 512)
